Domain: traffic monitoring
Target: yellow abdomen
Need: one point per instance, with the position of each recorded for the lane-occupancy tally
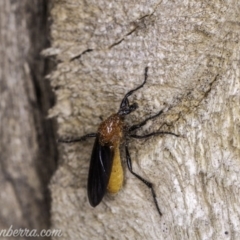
(116, 178)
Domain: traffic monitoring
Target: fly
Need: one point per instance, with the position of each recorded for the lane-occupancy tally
(105, 171)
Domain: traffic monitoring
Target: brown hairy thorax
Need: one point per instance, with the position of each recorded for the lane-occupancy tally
(111, 130)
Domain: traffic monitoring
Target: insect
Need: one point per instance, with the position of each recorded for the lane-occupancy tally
(106, 171)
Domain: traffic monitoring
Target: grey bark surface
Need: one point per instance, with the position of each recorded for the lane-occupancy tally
(192, 50)
(27, 145)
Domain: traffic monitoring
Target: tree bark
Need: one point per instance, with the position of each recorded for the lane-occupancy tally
(27, 150)
(192, 50)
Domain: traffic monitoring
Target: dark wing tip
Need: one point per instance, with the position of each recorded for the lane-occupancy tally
(94, 199)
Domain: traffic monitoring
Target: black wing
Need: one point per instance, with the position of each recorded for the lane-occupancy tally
(99, 172)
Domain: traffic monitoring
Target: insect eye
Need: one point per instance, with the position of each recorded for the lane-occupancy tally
(133, 107)
(128, 110)
(124, 103)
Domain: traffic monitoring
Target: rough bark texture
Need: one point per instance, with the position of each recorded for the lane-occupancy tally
(192, 50)
(27, 146)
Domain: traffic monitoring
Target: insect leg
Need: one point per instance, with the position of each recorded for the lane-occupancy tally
(125, 99)
(148, 184)
(152, 134)
(77, 139)
(134, 127)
